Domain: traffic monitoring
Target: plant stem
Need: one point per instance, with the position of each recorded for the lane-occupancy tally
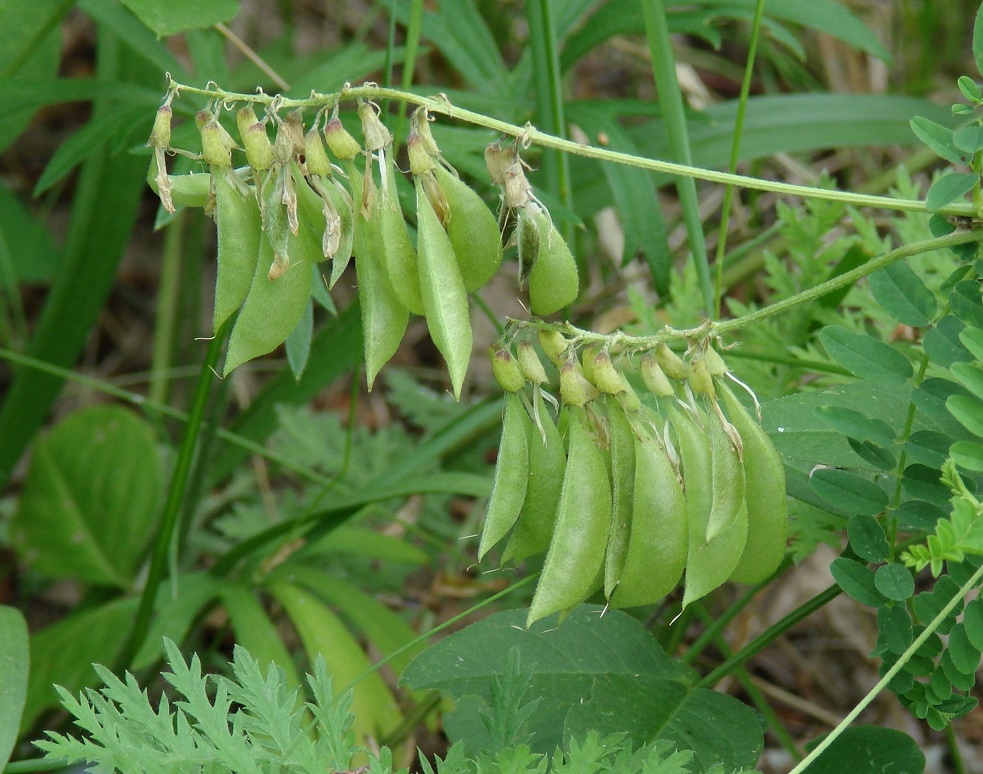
(440, 105)
(175, 497)
(889, 675)
(674, 117)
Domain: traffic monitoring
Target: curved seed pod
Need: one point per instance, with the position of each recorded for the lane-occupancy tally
(511, 475)
(764, 492)
(555, 346)
(547, 462)
(693, 447)
(673, 365)
(384, 318)
(553, 281)
(528, 238)
(608, 379)
(178, 190)
(659, 539)
(587, 357)
(714, 362)
(216, 143)
(728, 477)
(271, 310)
(259, 149)
(238, 224)
(445, 300)
(529, 363)
(334, 196)
(575, 390)
(505, 369)
(622, 444)
(311, 209)
(710, 561)
(655, 378)
(699, 377)
(315, 157)
(339, 140)
(401, 258)
(576, 553)
(473, 231)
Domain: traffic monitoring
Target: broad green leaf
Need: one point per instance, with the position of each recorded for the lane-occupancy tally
(323, 633)
(854, 424)
(136, 36)
(958, 678)
(972, 339)
(942, 342)
(965, 657)
(864, 356)
(973, 623)
(849, 491)
(168, 17)
(968, 455)
(969, 139)
(928, 447)
(257, 633)
(970, 89)
(360, 541)
(298, 343)
(969, 411)
(63, 653)
(930, 398)
(978, 40)
(30, 49)
(15, 665)
(903, 294)
(967, 304)
(970, 375)
(587, 658)
(867, 538)
(948, 188)
(937, 137)
(876, 456)
(28, 245)
(870, 750)
(894, 581)
(921, 482)
(90, 500)
(857, 581)
(917, 515)
(894, 628)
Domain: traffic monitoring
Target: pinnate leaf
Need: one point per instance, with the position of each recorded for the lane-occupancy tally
(864, 356)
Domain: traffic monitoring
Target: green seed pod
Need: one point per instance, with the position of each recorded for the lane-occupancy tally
(587, 356)
(547, 461)
(216, 143)
(339, 140)
(553, 280)
(511, 475)
(672, 364)
(699, 378)
(315, 156)
(506, 369)
(655, 378)
(270, 312)
(710, 562)
(530, 364)
(421, 162)
(238, 223)
(607, 378)
(555, 346)
(764, 493)
(576, 553)
(621, 439)
(421, 126)
(187, 190)
(384, 318)
(334, 195)
(160, 135)
(259, 149)
(401, 259)
(311, 211)
(657, 547)
(473, 231)
(528, 241)
(445, 299)
(575, 390)
(376, 135)
(714, 362)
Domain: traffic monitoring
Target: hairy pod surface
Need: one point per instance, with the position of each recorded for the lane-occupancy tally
(401, 258)
(271, 310)
(384, 318)
(621, 441)
(764, 492)
(237, 222)
(711, 560)
(576, 554)
(310, 208)
(511, 475)
(473, 231)
(659, 541)
(445, 300)
(553, 281)
(547, 462)
(183, 190)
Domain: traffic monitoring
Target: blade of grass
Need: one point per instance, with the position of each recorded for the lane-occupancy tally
(735, 148)
(175, 499)
(106, 201)
(167, 303)
(674, 117)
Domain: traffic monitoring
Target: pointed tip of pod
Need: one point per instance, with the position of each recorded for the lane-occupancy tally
(529, 363)
(506, 370)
